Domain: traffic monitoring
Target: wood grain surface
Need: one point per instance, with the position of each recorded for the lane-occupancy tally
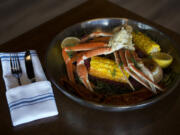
(163, 12)
(19, 16)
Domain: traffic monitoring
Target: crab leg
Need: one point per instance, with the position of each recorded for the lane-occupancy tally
(81, 68)
(125, 64)
(83, 76)
(85, 46)
(119, 62)
(101, 39)
(144, 69)
(92, 49)
(96, 34)
(137, 71)
(69, 66)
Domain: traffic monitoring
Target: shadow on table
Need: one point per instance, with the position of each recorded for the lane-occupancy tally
(99, 122)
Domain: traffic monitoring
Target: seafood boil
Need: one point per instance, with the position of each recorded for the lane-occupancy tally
(122, 55)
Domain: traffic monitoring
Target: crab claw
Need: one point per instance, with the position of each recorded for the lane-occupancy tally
(126, 67)
(83, 75)
(138, 72)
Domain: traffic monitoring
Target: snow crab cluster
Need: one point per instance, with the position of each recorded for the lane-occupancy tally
(121, 45)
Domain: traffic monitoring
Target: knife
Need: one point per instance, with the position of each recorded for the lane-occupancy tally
(29, 66)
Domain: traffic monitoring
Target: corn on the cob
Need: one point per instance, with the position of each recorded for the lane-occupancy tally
(107, 69)
(144, 43)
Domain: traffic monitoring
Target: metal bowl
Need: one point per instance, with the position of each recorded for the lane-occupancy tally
(56, 68)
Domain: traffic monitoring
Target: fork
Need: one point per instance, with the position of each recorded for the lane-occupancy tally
(15, 67)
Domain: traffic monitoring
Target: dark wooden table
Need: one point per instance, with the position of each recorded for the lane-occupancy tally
(160, 118)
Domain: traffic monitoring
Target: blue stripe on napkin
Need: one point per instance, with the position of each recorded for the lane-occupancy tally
(6, 57)
(19, 53)
(30, 101)
(17, 107)
(30, 98)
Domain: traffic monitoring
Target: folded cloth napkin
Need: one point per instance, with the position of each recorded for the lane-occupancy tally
(30, 101)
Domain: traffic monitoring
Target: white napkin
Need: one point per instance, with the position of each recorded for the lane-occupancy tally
(30, 101)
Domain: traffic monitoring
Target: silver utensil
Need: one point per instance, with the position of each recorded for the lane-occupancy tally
(29, 66)
(15, 67)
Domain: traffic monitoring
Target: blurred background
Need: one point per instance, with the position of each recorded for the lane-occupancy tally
(19, 16)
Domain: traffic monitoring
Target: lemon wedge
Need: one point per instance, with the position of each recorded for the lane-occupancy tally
(162, 59)
(70, 41)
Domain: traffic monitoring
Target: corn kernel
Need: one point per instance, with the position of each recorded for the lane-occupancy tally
(144, 43)
(107, 69)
